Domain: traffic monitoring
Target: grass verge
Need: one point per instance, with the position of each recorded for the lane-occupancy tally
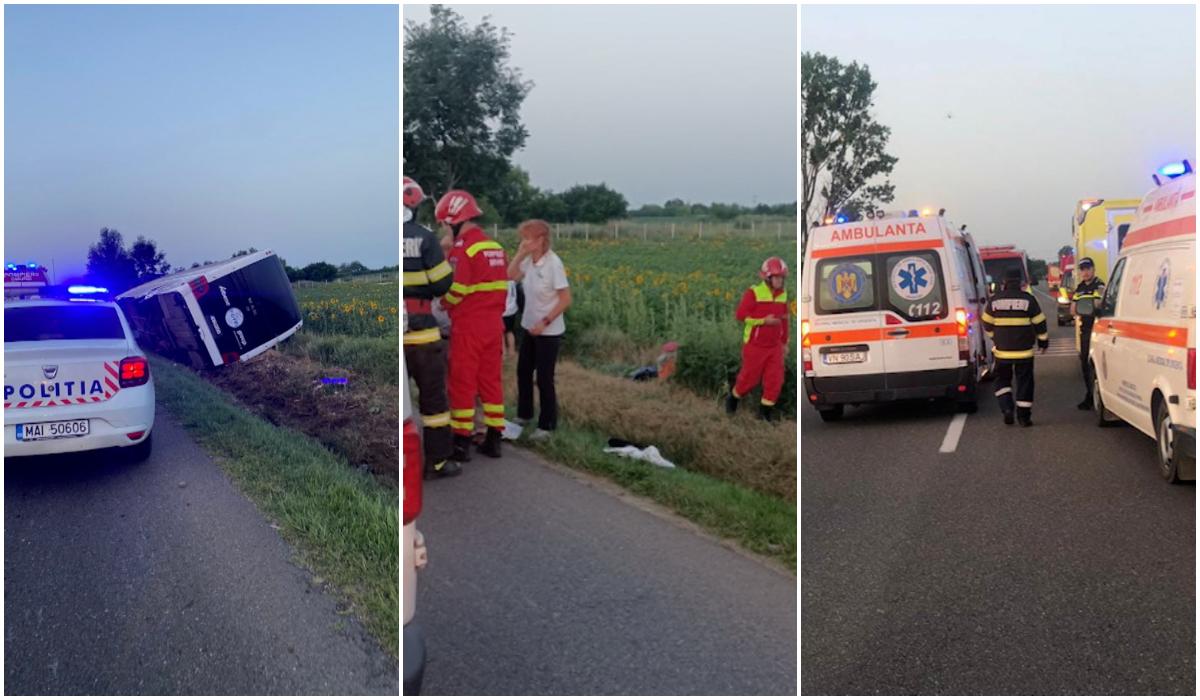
(759, 522)
(344, 524)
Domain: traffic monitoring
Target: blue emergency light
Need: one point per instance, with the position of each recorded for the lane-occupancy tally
(1173, 170)
(841, 219)
(86, 289)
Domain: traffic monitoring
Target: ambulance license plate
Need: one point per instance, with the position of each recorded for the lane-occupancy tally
(28, 432)
(844, 358)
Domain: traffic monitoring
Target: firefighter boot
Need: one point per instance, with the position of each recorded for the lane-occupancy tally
(443, 469)
(766, 413)
(462, 449)
(1008, 418)
(491, 444)
(1025, 418)
(731, 404)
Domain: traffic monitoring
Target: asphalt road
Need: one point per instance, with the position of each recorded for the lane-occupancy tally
(542, 582)
(1042, 560)
(163, 579)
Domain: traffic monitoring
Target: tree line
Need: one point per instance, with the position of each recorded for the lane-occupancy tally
(462, 133)
(113, 265)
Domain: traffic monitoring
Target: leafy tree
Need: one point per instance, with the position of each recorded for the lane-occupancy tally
(352, 268)
(842, 144)
(594, 203)
(550, 207)
(515, 198)
(319, 272)
(148, 262)
(461, 104)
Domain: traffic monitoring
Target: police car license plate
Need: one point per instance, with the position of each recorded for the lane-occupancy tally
(28, 432)
(843, 358)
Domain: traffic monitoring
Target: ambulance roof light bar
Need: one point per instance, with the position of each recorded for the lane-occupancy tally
(1172, 171)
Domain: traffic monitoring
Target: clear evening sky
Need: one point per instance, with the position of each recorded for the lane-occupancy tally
(1047, 105)
(207, 128)
(659, 101)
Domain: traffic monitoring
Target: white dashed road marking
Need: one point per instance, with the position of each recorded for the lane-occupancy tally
(953, 433)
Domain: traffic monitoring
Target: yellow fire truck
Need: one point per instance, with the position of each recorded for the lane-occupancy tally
(1097, 232)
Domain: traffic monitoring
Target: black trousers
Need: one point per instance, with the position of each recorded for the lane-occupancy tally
(1085, 342)
(426, 364)
(538, 353)
(1023, 369)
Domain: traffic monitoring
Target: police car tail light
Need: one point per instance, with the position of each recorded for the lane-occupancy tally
(135, 371)
(1192, 368)
(413, 470)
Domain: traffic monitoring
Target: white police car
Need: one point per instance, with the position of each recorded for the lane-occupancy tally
(74, 380)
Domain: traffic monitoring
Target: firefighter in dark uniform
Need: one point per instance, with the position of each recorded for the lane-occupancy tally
(1015, 323)
(1090, 287)
(427, 276)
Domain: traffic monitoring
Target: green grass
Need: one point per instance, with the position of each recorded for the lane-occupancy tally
(374, 359)
(761, 523)
(344, 525)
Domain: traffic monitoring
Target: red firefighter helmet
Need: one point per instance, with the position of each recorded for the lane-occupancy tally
(413, 194)
(455, 207)
(773, 267)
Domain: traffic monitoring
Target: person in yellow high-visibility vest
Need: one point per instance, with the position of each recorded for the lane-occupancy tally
(764, 313)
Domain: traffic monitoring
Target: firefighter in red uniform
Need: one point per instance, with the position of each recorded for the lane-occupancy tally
(475, 304)
(764, 312)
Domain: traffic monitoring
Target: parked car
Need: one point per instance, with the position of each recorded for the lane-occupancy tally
(74, 380)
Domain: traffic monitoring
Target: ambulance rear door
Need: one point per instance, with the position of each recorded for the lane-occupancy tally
(918, 321)
(846, 319)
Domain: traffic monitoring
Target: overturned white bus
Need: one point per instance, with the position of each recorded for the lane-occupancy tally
(215, 314)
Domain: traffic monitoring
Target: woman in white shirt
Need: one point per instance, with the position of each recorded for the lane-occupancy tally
(547, 296)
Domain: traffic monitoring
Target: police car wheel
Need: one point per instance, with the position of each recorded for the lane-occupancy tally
(1104, 418)
(832, 413)
(1168, 457)
(141, 451)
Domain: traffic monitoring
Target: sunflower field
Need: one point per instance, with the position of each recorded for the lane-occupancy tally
(631, 296)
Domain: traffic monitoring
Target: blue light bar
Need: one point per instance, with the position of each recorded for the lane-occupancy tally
(31, 265)
(86, 289)
(841, 219)
(1176, 169)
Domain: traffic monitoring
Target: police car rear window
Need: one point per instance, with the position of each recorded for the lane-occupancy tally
(74, 322)
(846, 285)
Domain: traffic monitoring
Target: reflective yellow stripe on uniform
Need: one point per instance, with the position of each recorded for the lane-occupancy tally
(460, 289)
(439, 271)
(751, 324)
(415, 279)
(1012, 354)
(461, 425)
(1043, 336)
(762, 292)
(491, 422)
(1040, 318)
(493, 408)
(421, 337)
(1021, 321)
(483, 245)
(462, 412)
(987, 318)
(437, 420)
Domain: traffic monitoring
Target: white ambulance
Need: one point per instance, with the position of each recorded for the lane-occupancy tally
(1143, 350)
(890, 310)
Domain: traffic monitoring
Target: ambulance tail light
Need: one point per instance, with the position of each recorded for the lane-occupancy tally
(1192, 368)
(964, 341)
(413, 471)
(135, 371)
(805, 341)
